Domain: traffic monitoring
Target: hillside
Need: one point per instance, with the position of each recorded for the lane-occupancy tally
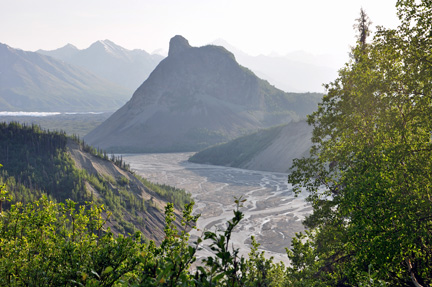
(33, 82)
(126, 68)
(197, 97)
(36, 162)
(271, 149)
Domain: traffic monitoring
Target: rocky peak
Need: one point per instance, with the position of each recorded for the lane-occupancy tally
(70, 46)
(196, 97)
(178, 44)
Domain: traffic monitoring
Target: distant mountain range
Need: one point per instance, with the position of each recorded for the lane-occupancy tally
(31, 81)
(294, 72)
(197, 97)
(126, 68)
(270, 149)
(103, 76)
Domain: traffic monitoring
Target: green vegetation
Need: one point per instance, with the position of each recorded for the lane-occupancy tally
(49, 244)
(37, 162)
(370, 170)
(369, 176)
(239, 151)
(179, 197)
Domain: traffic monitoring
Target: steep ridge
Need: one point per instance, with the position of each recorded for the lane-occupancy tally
(197, 97)
(272, 149)
(37, 162)
(126, 68)
(33, 82)
(150, 222)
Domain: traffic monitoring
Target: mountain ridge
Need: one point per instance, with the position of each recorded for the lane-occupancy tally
(31, 81)
(104, 58)
(295, 72)
(196, 97)
(272, 149)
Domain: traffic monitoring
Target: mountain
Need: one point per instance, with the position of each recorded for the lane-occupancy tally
(35, 162)
(32, 82)
(296, 72)
(197, 97)
(271, 149)
(64, 53)
(126, 68)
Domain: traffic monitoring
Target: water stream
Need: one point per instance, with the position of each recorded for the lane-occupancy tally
(271, 212)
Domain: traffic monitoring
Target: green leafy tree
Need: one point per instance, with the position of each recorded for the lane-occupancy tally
(49, 244)
(53, 244)
(370, 170)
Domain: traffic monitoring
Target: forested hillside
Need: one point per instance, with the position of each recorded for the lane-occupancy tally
(368, 178)
(271, 149)
(37, 162)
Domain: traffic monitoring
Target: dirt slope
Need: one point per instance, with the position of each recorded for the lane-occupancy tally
(267, 150)
(153, 219)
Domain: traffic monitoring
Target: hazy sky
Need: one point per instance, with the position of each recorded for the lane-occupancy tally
(256, 27)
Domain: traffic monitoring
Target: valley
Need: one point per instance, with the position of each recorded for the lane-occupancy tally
(72, 123)
(271, 211)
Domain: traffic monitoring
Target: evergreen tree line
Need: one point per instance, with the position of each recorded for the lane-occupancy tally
(37, 162)
(117, 160)
(369, 178)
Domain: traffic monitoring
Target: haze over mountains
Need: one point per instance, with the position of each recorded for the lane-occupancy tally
(194, 98)
(295, 72)
(126, 68)
(32, 82)
(104, 75)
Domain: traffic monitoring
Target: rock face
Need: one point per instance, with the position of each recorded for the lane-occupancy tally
(177, 45)
(33, 82)
(197, 97)
(272, 149)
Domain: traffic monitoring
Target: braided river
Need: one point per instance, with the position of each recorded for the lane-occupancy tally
(272, 213)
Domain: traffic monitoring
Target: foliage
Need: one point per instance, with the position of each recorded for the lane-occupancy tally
(49, 244)
(227, 268)
(37, 162)
(179, 197)
(370, 170)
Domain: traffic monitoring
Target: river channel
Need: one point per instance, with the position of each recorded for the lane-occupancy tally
(271, 211)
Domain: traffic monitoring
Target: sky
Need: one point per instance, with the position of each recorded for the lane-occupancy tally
(255, 27)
